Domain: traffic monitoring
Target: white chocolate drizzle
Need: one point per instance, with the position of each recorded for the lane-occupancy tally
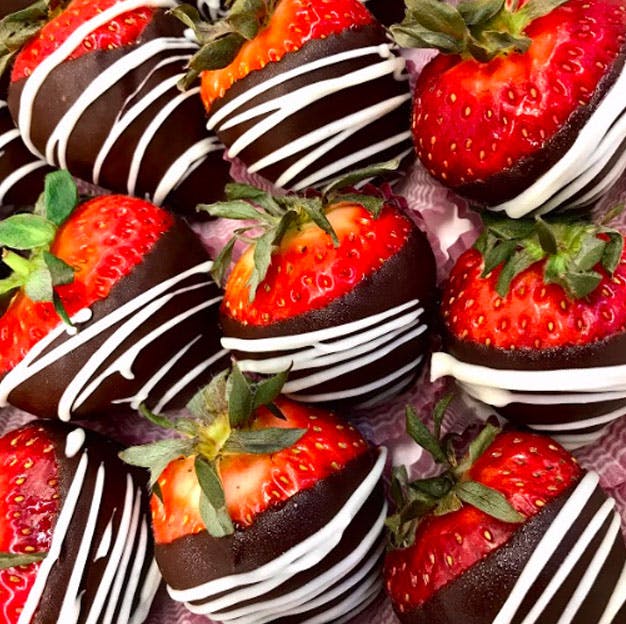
(126, 320)
(326, 354)
(558, 387)
(180, 50)
(317, 143)
(342, 589)
(581, 166)
(120, 536)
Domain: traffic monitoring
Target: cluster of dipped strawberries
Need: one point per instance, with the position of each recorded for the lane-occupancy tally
(131, 132)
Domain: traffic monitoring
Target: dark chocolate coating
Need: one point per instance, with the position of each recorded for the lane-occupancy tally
(13, 155)
(408, 274)
(10, 6)
(387, 12)
(183, 127)
(195, 559)
(176, 251)
(477, 596)
(510, 182)
(328, 109)
(101, 452)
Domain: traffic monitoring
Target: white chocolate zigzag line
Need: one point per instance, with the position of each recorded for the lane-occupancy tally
(617, 600)
(565, 519)
(152, 299)
(577, 159)
(298, 595)
(43, 70)
(602, 156)
(13, 178)
(304, 555)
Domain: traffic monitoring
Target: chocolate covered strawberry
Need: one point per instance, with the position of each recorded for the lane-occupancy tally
(338, 287)
(74, 529)
(133, 280)
(300, 91)
(535, 323)
(94, 92)
(513, 531)
(524, 108)
(265, 510)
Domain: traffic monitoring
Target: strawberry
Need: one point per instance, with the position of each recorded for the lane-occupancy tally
(301, 91)
(321, 268)
(121, 125)
(469, 543)
(515, 86)
(254, 466)
(538, 307)
(53, 478)
(96, 256)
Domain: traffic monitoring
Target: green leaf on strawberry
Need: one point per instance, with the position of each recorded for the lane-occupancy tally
(448, 491)
(219, 426)
(274, 217)
(39, 272)
(572, 249)
(13, 560)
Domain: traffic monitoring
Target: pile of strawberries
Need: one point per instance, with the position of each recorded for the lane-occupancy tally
(252, 493)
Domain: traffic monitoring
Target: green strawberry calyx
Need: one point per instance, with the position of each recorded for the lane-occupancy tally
(573, 250)
(448, 491)
(221, 415)
(26, 239)
(220, 41)
(272, 217)
(479, 29)
(17, 28)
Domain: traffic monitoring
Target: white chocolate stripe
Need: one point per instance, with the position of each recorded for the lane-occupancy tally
(590, 576)
(186, 379)
(302, 556)
(578, 158)
(80, 388)
(568, 565)
(617, 601)
(138, 309)
(548, 544)
(60, 137)
(218, 606)
(602, 156)
(290, 343)
(43, 70)
(58, 538)
(71, 605)
(148, 592)
(13, 178)
(9, 137)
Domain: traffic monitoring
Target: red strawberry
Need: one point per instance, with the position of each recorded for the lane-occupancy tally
(465, 539)
(302, 91)
(535, 322)
(519, 85)
(291, 24)
(109, 253)
(29, 505)
(325, 268)
(120, 31)
(261, 487)
(64, 494)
